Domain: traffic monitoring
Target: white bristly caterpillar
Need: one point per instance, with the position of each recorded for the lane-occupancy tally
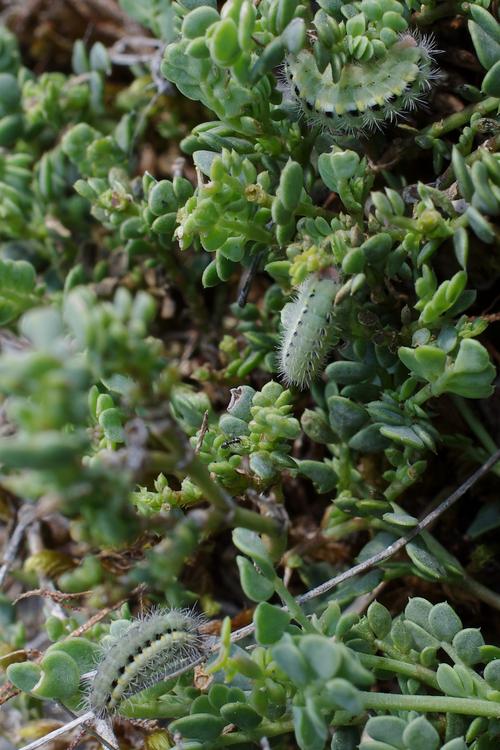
(307, 331)
(365, 94)
(143, 653)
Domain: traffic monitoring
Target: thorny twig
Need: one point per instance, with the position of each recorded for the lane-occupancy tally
(104, 612)
(57, 597)
(318, 591)
(153, 57)
(118, 56)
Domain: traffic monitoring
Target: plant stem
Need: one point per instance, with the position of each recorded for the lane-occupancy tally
(431, 703)
(224, 503)
(250, 230)
(457, 119)
(490, 146)
(415, 671)
(479, 431)
(483, 593)
(305, 209)
(343, 529)
(156, 710)
(464, 409)
(256, 194)
(292, 606)
(402, 222)
(182, 461)
(423, 395)
(266, 729)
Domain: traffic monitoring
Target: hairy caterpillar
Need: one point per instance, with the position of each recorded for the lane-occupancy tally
(144, 652)
(366, 93)
(307, 331)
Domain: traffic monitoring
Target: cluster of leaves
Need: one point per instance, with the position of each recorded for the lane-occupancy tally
(312, 675)
(140, 435)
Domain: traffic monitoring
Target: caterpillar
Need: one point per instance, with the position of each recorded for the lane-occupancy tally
(143, 652)
(307, 333)
(366, 93)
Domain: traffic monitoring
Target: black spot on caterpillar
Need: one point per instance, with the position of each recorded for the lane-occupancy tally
(307, 331)
(142, 654)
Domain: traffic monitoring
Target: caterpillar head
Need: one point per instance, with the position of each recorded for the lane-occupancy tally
(365, 94)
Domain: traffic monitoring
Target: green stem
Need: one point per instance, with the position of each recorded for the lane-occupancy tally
(256, 194)
(482, 435)
(249, 519)
(343, 529)
(305, 209)
(415, 671)
(457, 119)
(292, 606)
(182, 461)
(423, 395)
(251, 231)
(491, 145)
(403, 222)
(266, 729)
(224, 503)
(476, 426)
(308, 144)
(431, 704)
(156, 710)
(213, 492)
(483, 593)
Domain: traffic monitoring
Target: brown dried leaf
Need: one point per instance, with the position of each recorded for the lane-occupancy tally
(22, 654)
(202, 680)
